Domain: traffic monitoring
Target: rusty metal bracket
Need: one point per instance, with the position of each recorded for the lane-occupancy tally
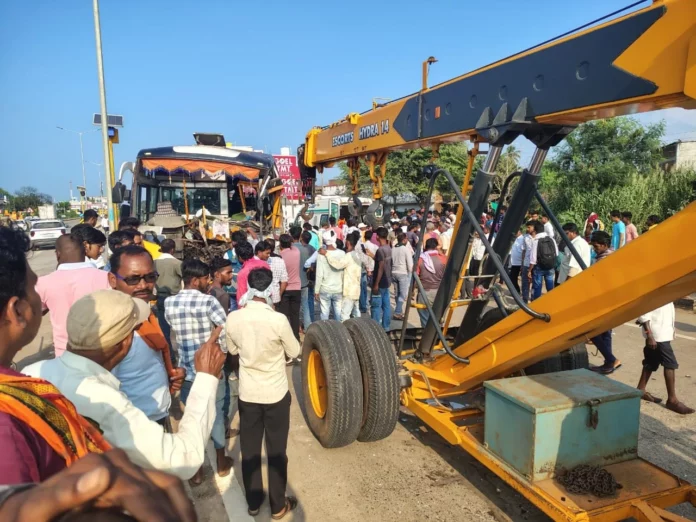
(593, 420)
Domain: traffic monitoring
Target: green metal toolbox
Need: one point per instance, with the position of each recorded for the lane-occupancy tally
(542, 424)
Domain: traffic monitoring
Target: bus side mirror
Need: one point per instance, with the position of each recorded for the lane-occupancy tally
(118, 193)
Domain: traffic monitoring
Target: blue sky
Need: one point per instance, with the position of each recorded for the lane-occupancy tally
(262, 73)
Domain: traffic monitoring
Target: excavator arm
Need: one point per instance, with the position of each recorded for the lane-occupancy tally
(641, 62)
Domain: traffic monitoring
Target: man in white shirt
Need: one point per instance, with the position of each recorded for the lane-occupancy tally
(526, 255)
(263, 339)
(548, 227)
(658, 330)
(570, 266)
(516, 257)
(100, 333)
(542, 261)
(446, 230)
(351, 265)
(329, 281)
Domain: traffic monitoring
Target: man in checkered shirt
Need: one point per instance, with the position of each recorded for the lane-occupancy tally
(265, 251)
(193, 314)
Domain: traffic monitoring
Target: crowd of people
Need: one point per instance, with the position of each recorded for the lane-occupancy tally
(539, 259)
(145, 330)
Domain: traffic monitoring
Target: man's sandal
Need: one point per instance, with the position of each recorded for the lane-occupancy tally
(290, 504)
(647, 396)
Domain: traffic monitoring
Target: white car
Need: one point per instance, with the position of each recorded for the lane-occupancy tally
(45, 232)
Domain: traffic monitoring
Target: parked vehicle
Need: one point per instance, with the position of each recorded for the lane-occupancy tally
(45, 232)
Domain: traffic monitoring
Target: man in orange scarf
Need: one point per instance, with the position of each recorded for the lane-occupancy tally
(40, 431)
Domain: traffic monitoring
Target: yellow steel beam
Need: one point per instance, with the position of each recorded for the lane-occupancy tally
(659, 52)
(657, 268)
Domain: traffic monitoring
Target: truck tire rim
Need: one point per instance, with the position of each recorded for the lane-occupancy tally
(316, 381)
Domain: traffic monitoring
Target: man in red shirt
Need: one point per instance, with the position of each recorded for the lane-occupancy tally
(291, 300)
(245, 254)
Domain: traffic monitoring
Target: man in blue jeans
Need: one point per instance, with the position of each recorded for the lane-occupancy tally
(193, 315)
(600, 243)
(542, 261)
(380, 301)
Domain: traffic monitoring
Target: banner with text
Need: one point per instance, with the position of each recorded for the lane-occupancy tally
(289, 173)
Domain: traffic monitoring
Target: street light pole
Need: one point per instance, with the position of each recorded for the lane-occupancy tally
(82, 152)
(104, 113)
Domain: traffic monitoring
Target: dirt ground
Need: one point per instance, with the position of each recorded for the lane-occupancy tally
(414, 474)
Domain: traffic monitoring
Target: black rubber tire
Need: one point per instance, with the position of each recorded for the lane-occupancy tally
(380, 378)
(344, 409)
(575, 357)
(566, 360)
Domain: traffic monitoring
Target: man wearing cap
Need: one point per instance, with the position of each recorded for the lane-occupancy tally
(329, 282)
(100, 329)
(145, 373)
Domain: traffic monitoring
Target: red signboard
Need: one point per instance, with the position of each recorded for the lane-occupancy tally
(289, 172)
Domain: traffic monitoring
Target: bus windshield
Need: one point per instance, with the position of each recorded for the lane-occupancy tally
(197, 198)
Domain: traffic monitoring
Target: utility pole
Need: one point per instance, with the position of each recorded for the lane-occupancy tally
(104, 112)
(82, 151)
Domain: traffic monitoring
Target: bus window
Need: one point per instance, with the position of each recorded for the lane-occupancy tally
(323, 220)
(334, 210)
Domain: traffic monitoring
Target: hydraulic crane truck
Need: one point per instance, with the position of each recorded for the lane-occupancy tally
(509, 386)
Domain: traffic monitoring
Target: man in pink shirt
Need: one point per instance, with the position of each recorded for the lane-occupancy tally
(73, 279)
(245, 254)
(338, 230)
(631, 230)
(291, 300)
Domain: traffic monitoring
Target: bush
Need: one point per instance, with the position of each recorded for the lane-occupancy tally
(658, 192)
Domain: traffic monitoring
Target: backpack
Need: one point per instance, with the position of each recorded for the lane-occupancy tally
(546, 253)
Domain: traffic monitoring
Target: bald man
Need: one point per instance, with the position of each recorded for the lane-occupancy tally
(73, 279)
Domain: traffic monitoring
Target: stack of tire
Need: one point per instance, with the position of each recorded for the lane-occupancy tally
(350, 382)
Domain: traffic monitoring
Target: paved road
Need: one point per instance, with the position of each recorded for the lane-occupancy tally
(415, 475)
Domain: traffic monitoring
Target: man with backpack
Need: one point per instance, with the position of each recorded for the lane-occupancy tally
(542, 261)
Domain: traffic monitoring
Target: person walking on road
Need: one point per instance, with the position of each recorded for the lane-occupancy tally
(380, 301)
(402, 268)
(658, 330)
(263, 339)
(542, 261)
(329, 281)
(601, 242)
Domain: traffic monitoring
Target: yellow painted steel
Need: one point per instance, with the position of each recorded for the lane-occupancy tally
(609, 293)
(316, 382)
(664, 54)
(649, 484)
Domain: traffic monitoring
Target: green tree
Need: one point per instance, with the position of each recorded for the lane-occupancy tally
(30, 197)
(601, 155)
(614, 165)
